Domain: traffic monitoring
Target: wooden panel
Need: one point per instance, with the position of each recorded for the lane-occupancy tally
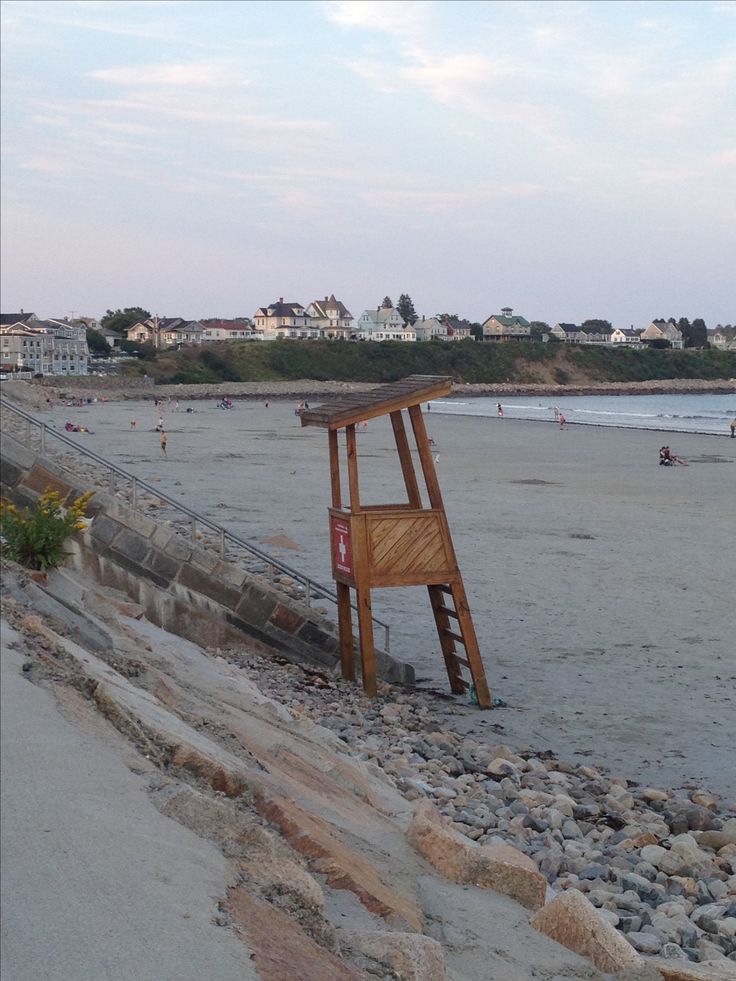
(356, 407)
(407, 548)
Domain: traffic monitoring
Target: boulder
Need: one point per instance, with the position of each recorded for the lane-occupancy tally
(500, 867)
(576, 924)
(410, 956)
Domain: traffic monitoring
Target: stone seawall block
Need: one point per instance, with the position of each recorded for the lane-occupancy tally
(502, 868)
(573, 921)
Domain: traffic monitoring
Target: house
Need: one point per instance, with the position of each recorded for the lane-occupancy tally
(70, 352)
(569, 333)
(11, 319)
(625, 335)
(178, 334)
(111, 336)
(283, 320)
(442, 328)
(383, 324)
(331, 316)
(663, 330)
(505, 326)
(239, 329)
(26, 348)
(166, 332)
(723, 338)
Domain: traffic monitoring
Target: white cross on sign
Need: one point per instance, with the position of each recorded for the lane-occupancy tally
(342, 548)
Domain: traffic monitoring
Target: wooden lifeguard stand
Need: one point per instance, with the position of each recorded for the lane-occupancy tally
(407, 544)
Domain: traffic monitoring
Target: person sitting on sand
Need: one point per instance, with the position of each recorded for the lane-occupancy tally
(667, 458)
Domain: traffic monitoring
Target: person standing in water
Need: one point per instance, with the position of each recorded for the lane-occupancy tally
(163, 440)
(499, 410)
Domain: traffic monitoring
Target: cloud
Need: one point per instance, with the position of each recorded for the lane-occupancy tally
(194, 75)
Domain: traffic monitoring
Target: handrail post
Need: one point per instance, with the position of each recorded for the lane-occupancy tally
(222, 543)
(386, 628)
(111, 481)
(43, 438)
(28, 432)
(194, 529)
(134, 494)
(307, 594)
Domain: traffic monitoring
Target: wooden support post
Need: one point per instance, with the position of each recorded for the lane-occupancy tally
(367, 648)
(353, 469)
(407, 464)
(334, 469)
(425, 457)
(345, 624)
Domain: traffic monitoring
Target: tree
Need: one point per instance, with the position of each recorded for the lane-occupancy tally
(96, 342)
(596, 326)
(387, 303)
(698, 333)
(406, 308)
(120, 320)
(538, 328)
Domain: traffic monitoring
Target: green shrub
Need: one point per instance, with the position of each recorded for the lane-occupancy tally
(35, 536)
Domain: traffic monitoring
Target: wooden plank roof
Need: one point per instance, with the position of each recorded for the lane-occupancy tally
(348, 410)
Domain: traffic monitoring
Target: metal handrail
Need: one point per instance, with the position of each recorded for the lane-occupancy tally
(312, 588)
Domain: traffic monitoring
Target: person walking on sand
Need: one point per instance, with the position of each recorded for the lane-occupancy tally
(163, 440)
(562, 421)
(499, 410)
(732, 427)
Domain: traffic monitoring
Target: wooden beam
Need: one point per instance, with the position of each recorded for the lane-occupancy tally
(425, 457)
(335, 469)
(353, 469)
(407, 464)
(345, 623)
(367, 648)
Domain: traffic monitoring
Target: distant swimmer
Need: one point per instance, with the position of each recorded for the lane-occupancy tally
(132, 423)
(499, 410)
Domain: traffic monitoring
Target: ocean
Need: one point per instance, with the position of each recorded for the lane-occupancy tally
(708, 414)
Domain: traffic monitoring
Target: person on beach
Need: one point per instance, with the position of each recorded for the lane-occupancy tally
(163, 440)
(732, 427)
(499, 410)
(132, 423)
(557, 414)
(668, 459)
(562, 421)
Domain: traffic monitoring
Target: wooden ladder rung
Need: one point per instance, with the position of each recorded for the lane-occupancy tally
(461, 660)
(445, 588)
(453, 636)
(448, 612)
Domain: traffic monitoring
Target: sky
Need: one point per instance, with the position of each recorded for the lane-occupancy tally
(570, 160)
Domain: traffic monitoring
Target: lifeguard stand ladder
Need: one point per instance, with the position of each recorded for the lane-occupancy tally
(380, 545)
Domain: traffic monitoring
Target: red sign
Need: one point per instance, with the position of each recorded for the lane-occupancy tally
(342, 557)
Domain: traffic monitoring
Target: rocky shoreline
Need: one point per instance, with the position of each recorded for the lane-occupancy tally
(660, 868)
(121, 389)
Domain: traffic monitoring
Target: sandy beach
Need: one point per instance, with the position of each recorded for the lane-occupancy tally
(602, 585)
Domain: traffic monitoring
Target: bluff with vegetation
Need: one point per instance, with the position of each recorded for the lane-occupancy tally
(466, 362)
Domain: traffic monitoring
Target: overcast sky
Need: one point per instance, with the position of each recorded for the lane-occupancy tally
(569, 160)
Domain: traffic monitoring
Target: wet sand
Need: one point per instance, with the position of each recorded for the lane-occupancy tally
(601, 585)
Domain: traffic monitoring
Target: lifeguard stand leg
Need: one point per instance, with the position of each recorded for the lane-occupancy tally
(367, 648)
(345, 624)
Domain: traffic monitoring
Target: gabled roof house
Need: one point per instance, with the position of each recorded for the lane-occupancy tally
(506, 326)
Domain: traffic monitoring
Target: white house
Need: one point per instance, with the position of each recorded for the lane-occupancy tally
(331, 317)
(239, 329)
(282, 320)
(569, 333)
(383, 324)
(626, 335)
(26, 348)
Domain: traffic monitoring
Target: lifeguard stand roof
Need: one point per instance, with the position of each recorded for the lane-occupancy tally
(349, 410)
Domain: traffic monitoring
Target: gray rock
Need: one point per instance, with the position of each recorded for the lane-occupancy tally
(645, 943)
